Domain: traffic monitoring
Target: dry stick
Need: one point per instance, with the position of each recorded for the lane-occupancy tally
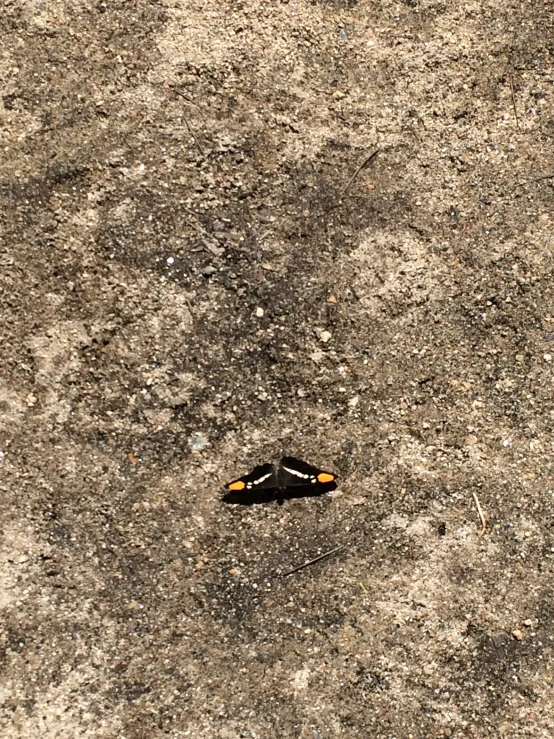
(481, 515)
(193, 136)
(187, 124)
(182, 94)
(217, 252)
(514, 100)
(357, 172)
(313, 561)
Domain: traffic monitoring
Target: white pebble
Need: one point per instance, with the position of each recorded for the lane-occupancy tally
(170, 260)
(260, 312)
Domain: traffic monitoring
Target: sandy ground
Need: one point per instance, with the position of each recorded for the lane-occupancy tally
(197, 278)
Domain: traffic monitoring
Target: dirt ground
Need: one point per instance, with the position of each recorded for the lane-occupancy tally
(197, 277)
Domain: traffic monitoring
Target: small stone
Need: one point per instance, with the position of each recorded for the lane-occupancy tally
(306, 213)
(209, 270)
(528, 622)
(547, 357)
(353, 402)
(332, 299)
(301, 393)
(260, 312)
(500, 640)
(197, 442)
(170, 260)
(324, 336)
(517, 634)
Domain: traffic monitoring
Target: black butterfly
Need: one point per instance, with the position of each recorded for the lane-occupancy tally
(292, 478)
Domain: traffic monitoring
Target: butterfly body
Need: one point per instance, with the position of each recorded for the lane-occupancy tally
(292, 478)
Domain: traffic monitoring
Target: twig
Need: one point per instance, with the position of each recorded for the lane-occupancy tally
(366, 161)
(182, 94)
(514, 100)
(215, 250)
(313, 561)
(481, 515)
(187, 124)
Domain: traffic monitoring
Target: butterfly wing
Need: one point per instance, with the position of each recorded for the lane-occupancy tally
(257, 487)
(300, 479)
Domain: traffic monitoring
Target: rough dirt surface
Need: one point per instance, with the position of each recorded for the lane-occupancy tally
(184, 261)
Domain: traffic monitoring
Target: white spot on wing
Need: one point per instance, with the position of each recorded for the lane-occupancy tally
(296, 473)
(262, 478)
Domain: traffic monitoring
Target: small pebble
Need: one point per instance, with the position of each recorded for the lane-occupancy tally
(528, 622)
(324, 336)
(547, 357)
(170, 260)
(500, 640)
(197, 442)
(260, 312)
(517, 634)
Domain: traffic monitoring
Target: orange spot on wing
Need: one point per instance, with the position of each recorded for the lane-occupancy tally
(325, 477)
(238, 485)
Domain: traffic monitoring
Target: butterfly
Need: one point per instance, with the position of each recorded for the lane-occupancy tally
(292, 478)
